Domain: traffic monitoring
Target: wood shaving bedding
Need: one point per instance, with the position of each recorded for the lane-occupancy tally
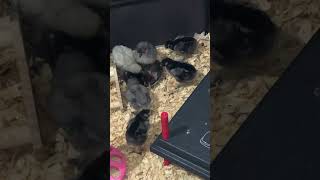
(168, 96)
(115, 92)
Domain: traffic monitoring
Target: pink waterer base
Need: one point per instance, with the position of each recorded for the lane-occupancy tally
(119, 165)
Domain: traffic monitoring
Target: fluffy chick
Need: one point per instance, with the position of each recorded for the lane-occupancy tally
(137, 95)
(151, 73)
(149, 76)
(240, 32)
(137, 129)
(145, 53)
(125, 75)
(182, 44)
(124, 58)
(182, 72)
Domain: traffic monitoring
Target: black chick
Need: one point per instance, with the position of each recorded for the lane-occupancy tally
(182, 44)
(151, 73)
(149, 76)
(182, 72)
(240, 32)
(126, 75)
(137, 128)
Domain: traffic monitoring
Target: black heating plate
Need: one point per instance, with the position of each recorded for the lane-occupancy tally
(189, 142)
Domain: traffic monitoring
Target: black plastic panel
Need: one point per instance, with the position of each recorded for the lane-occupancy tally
(156, 21)
(188, 145)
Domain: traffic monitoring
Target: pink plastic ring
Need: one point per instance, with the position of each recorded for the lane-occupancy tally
(118, 165)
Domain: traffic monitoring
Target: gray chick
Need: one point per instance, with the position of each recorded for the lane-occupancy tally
(123, 57)
(145, 53)
(137, 95)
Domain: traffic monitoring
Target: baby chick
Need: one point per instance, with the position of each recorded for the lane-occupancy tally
(137, 128)
(126, 75)
(182, 72)
(151, 73)
(137, 95)
(182, 44)
(240, 32)
(149, 76)
(124, 58)
(145, 53)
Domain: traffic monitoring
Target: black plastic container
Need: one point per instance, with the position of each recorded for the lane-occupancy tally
(280, 139)
(156, 21)
(189, 142)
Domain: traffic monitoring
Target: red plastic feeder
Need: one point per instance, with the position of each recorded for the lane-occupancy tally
(165, 131)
